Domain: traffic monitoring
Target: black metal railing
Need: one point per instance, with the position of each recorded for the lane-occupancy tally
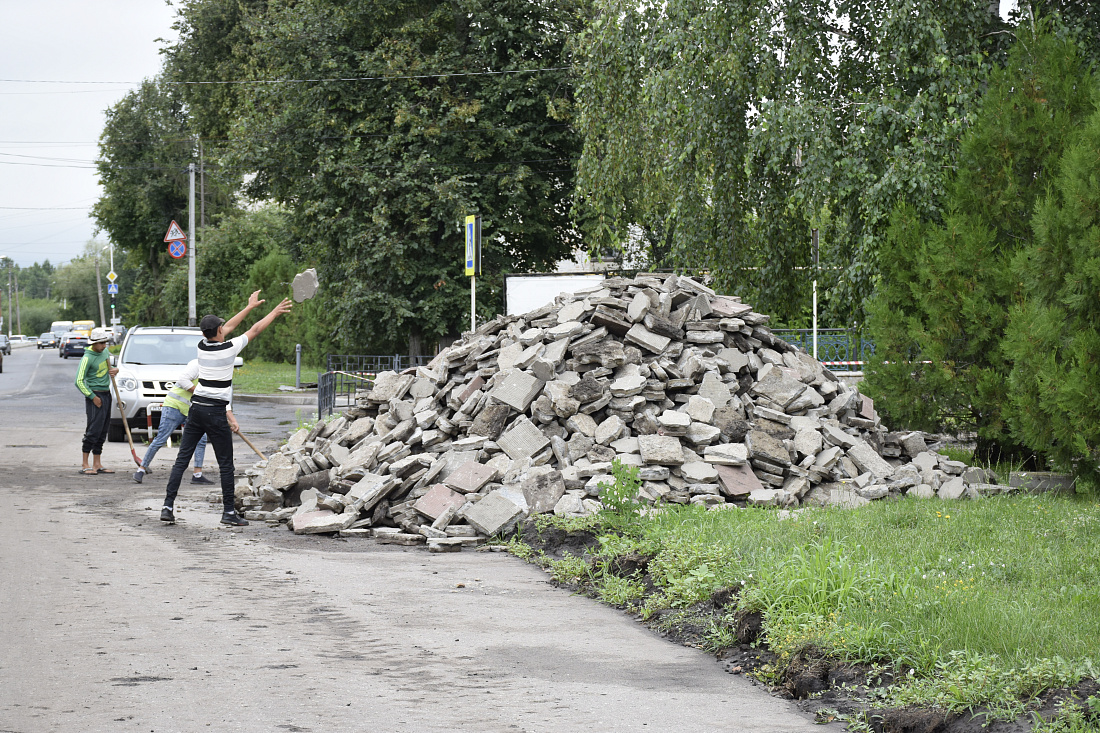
(836, 347)
(350, 372)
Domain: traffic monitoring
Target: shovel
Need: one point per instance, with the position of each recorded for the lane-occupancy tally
(250, 445)
(126, 425)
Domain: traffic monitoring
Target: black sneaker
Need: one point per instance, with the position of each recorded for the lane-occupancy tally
(138, 476)
(200, 480)
(234, 519)
(167, 515)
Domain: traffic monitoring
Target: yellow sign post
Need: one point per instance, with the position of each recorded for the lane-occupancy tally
(473, 262)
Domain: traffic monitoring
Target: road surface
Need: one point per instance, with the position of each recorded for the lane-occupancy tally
(113, 621)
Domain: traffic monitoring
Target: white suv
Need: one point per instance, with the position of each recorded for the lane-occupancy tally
(151, 360)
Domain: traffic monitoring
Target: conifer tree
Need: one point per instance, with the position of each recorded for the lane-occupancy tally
(941, 309)
(1053, 338)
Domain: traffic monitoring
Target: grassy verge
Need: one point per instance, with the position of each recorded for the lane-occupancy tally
(963, 605)
(265, 377)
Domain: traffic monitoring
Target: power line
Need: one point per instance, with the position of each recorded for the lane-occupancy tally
(300, 81)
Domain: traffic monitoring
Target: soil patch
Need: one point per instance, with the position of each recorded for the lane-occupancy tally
(817, 684)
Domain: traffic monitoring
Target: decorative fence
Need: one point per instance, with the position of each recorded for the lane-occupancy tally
(349, 372)
(840, 349)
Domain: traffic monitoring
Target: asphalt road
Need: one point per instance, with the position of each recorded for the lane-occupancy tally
(113, 621)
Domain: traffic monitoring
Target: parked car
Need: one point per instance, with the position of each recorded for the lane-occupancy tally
(149, 363)
(47, 340)
(5, 344)
(74, 345)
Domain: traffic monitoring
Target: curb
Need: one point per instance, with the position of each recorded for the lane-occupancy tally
(309, 398)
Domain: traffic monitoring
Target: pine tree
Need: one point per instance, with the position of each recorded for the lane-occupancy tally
(941, 310)
(1053, 337)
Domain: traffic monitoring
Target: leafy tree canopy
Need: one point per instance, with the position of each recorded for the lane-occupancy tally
(730, 129)
(377, 174)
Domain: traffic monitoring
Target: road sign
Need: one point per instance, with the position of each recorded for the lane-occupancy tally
(112, 289)
(177, 249)
(174, 232)
(112, 276)
(473, 245)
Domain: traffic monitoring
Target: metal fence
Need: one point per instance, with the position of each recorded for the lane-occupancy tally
(350, 372)
(839, 349)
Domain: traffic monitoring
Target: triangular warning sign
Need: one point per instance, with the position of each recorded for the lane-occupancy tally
(174, 233)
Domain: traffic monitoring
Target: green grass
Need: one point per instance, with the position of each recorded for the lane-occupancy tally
(972, 603)
(264, 377)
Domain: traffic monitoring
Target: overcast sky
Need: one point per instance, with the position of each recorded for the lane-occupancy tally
(48, 132)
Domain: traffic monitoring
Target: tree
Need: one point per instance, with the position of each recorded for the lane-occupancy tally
(733, 128)
(939, 316)
(145, 150)
(1053, 336)
(376, 174)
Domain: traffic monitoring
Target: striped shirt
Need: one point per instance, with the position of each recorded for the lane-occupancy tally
(216, 367)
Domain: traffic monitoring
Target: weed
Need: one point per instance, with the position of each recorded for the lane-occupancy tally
(620, 498)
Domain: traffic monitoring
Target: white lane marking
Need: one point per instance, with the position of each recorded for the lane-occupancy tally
(33, 374)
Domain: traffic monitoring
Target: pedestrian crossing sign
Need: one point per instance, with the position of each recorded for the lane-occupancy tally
(473, 245)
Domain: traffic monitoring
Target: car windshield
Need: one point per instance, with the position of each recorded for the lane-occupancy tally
(164, 348)
(46, 336)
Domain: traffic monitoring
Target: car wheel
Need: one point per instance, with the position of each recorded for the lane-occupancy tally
(115, 433)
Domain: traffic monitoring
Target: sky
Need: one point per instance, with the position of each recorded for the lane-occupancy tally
(49, 132)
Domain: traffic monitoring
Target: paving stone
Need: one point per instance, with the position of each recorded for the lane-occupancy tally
(439, 500)
(662, 450)
(639, 334)
(866, 459)
(493, 514)
(304, 285)
(700, 409)
(609, 430)
(470, 477)
(542, 489)
(726, 454)
(523, 439)
(699, 472)
(715, 390)
(390, 386)
(517, 389)
(737, 481)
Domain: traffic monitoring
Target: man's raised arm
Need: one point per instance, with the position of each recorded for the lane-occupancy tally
(228, 327)
(261, 325)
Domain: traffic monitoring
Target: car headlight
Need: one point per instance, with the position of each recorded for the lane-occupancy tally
(127, 383)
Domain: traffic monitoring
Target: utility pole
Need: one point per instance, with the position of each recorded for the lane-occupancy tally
(9, 297)
(192, 317)
(817, 261)
(99, 292)
(18, 314)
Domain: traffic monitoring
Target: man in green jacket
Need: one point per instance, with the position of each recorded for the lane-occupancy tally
(93, 379)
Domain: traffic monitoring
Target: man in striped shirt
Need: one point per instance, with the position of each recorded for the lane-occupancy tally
(212, 397)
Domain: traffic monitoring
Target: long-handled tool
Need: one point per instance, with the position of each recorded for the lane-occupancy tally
(126, 425)
(250, 445)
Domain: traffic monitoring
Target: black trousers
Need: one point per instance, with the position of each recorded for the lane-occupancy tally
(99, 419)
(211, 420)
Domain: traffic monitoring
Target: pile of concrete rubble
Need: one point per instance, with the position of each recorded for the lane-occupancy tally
(526, 415)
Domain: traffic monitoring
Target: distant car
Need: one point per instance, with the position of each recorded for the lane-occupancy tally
(5, 345)
(18, 338)
(47, 340)
(74, 345)
(118, 333)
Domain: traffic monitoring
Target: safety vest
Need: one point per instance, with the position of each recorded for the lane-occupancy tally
(179, 398)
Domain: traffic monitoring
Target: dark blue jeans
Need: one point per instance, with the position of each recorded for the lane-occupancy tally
(209, 420)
